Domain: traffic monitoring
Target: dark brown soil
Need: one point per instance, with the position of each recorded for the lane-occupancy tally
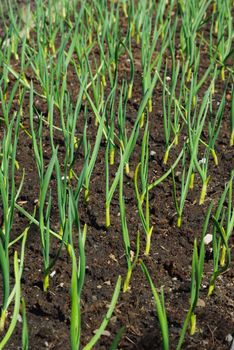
(171, 251)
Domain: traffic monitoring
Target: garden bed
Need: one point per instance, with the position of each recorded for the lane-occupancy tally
(169, 262)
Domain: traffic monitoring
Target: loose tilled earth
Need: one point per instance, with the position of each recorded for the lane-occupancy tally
(171, 252)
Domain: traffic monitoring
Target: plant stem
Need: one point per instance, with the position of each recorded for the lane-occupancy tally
(223, 256)
(127, 280)
(46, 282)
(191, 184)
(192, 324)
(232, 139)
(148, 241)
(203, 193)
(2, 320)
(179, 221)
(127, 169)
(112, 157)
(142, 121)
(165, 159)
(107, 215)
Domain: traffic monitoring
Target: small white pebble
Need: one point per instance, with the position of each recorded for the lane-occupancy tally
(19, 318)
(208, 238)
(202, 161)
(229, 338)
(52, 273)
(108, 283)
